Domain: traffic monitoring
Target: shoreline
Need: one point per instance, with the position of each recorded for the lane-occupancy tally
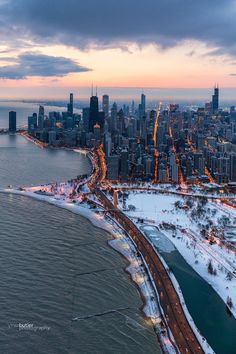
(132, 267)
(145, 291)
(41, 145)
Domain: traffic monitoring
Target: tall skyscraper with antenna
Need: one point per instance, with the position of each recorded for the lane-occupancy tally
(41, 117)
(70, 106)
(93, 112)
(215, 99)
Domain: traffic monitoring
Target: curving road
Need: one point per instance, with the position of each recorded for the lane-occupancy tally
(183, 334)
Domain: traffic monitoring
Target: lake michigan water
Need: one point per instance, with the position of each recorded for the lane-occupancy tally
(56, 267)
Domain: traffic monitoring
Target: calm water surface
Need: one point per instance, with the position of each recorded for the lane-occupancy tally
(58, 275)
(23, 163)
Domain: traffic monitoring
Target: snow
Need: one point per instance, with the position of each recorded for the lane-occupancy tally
(154, 208)
(191, 245)
(81, 151)
(138, 274)
(157, 238)
(206, 347)
(150, 228)
(121, 242)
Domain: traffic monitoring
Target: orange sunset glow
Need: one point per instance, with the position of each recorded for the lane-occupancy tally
(57, 52)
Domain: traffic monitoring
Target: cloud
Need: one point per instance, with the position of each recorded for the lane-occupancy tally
(33, 64)
(7, 59)
(233, 74)
(113, 23)
(192, 53)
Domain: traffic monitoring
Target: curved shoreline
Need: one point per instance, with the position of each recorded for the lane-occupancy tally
(145, 292)
(132, 269)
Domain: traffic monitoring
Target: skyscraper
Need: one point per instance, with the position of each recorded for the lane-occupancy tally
(41, 117)
(132, 108)
(215, 100)
(93, 112)
(142, 106)
(70, 106)
(142, 116)
(233, 167)
(86, 115)
(114, 117)
(105, 105)
(41, 110)
(124, 164)
(32, 123)
(101, 119)
(143, 102)
(113, 167)
(12, 122)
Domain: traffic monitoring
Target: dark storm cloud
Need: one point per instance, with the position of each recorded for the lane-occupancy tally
(32, 64)
(114, 22)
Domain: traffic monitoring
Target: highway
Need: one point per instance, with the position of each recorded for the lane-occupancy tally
(170, 302)
(183, 334)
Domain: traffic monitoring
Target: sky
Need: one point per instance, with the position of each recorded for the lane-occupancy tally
(49, 48)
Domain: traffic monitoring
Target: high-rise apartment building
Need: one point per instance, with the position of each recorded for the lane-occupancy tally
(105, 105)
(215, 100)
(41, 117)
(12, 122)
(70, 106)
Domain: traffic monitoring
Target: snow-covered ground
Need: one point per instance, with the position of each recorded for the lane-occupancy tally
(197, 251)
(155, 208)
(167, 247)
(64, 191)
(121, 242)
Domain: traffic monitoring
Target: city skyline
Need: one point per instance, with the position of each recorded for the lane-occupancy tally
(70, 46)
(157, 170)
(118, 176)
(140, 144)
